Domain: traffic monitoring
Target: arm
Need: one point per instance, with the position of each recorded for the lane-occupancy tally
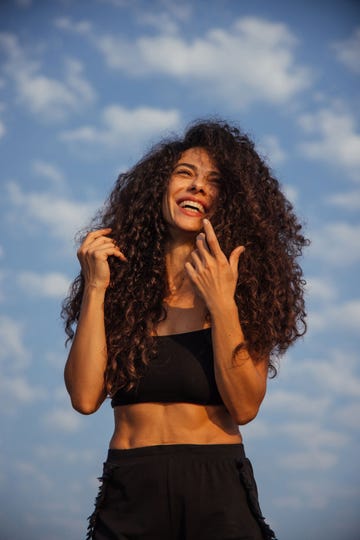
(87, 360)
(241, 378)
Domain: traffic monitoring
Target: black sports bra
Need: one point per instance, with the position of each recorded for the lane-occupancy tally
(182, 371)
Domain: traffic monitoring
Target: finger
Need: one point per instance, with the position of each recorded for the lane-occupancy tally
(95, 244)
(119, 254)
(234, 258)
(203, 247)
(191, 272)
(91, 236)
(104, 251)
(101, 241)
(211, 239)
(196, 260)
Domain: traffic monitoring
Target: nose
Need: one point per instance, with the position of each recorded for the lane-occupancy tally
(197, 184)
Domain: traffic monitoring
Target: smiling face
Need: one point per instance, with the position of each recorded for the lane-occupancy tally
(192, 192)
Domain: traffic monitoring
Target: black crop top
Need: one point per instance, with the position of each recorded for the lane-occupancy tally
(182, 371)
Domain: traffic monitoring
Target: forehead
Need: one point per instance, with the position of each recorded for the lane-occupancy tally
(199, 157)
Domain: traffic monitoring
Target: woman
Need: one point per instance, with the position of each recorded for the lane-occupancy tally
(189, 288)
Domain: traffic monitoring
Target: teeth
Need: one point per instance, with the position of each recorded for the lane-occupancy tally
(193, 206)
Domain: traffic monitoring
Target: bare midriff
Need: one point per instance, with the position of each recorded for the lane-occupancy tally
(149, 424)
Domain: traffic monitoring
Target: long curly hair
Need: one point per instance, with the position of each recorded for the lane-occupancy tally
(252, 212)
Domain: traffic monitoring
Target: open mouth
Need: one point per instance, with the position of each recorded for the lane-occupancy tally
(193, 207)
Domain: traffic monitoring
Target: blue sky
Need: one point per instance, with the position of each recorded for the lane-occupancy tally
(85, 89)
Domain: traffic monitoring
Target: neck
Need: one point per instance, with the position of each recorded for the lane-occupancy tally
(176, 255)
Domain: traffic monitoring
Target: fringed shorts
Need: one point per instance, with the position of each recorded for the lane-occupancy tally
(178, 492)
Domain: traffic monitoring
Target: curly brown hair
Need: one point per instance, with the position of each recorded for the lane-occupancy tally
(252, 212)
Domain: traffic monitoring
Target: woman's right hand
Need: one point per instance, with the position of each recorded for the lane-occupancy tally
(93, 256)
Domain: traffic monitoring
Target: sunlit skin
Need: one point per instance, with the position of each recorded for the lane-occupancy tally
(195, 178)
(202, 284)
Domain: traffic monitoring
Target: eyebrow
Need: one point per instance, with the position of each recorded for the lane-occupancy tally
(194, 168)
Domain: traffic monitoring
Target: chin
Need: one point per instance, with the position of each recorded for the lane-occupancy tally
(190, 230)
(191, 227)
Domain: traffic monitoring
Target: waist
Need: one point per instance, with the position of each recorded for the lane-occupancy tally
(235, 450)
(151, 424)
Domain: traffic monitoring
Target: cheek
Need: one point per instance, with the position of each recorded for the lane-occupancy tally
(215, 197)
(167, 200)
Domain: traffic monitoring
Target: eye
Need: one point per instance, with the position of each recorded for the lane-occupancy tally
(215, 182)
(185, 172)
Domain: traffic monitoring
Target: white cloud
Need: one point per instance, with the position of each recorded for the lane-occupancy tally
(348, 51)
(12, 348)
(348, 416)
(249, 62)
(66, 23)
(298, 403)
(32, 474)
(320, 288)
(62, 419)
(162, 22)
(336, 375)
(339, 317)
(15, 388)
(337, 244)
(348, 201)
(271, 149)
(60, 216)
(2, 281)
(315, 495)
(18, 390)
(48, 171)
(333, 392)
(55, 359)
(64, 454)
(2, 108)
(292, 502)
(317, 447)
(164, 15)
(23, 3)
(60, 394)
(179, 10)
(116, 3)
(49, 98)
(74, 76)
(298, 415)
(348, 314)
(336, 142)
(310, 459)
(120, 126)
(50, 285)
(257, 430)
(313, 435)
(291, 193)
(2, 129)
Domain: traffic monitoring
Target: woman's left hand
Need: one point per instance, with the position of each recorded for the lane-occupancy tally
(213, 275)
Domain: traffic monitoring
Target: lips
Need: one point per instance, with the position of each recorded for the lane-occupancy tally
(191, 204)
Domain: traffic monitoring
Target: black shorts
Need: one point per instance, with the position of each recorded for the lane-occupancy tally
(178, 492)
